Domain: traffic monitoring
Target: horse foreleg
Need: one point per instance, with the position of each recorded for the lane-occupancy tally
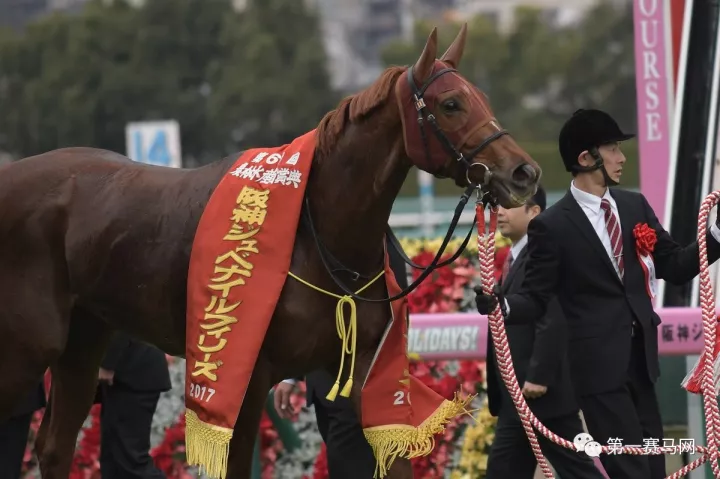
(74, 380)
(401, 468)
(248, 423)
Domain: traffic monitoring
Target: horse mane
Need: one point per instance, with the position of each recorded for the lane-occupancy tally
(355, 108)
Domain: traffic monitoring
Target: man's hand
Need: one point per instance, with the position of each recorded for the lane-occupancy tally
(485, 304)
(533, 391)
(282, 399)
(106, 375)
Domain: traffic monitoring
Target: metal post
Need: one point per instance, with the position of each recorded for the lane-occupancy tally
(425, 185)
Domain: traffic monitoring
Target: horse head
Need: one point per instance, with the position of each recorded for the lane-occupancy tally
(426, 115)
(450, 130)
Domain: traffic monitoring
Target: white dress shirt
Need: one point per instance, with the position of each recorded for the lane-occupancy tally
(517, 248)
(590, 204)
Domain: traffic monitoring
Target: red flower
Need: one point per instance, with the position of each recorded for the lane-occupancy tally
(169, 456)
(321, 465)
(645, 239)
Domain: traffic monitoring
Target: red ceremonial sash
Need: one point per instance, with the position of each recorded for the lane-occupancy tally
(400, 414)
(238, 265)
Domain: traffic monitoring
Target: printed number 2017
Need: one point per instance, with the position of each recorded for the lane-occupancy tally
(200, 393)
(400, 398)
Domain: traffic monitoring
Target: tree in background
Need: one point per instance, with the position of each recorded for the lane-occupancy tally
(602, 65)
(272, 83)
(76, 80)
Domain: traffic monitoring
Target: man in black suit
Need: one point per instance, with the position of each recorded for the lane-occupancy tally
(349, 455)
(14, 433)
(583, 251)
(132, 376)
(539, 355)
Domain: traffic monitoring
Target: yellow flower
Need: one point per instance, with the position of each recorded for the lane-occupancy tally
(415, 246)
(433, 245)
(501, 241)
(473, 459)
(411, 246)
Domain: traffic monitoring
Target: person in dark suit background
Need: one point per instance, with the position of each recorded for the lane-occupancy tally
(132, 376)
(349, 455)
(583, 251)
(539, 355)
(14, 433)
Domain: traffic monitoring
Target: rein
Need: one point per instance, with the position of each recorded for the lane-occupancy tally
(426, 271)
(348, 334)
(424, 114)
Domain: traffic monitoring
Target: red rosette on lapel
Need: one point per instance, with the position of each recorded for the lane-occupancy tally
(645, 239)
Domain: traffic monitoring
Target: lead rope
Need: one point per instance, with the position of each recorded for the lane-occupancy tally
(486, 252)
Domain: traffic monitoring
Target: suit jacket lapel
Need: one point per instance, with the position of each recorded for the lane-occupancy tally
(517, 264)
(578, 217)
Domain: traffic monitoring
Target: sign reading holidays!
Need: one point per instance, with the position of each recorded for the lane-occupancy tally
(444, 339)
(154, 142)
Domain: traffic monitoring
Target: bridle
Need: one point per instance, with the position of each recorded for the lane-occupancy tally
(424, 114)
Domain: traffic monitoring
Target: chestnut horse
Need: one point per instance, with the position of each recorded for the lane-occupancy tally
(91, 242)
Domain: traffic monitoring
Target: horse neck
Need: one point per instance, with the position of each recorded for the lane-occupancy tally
(198, 185)
(352, 192)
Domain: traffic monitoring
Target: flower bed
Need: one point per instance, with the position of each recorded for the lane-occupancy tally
(460, 453)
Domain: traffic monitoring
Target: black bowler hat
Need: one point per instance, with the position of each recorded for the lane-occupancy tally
(587, 129)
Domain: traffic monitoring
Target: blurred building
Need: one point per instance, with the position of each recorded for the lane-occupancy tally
(66, 4)
(559, 12)
(16, 13)
(355, 31)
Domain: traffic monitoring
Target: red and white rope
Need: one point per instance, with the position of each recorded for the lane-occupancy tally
(486, 252)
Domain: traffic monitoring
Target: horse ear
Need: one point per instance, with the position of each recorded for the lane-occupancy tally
(455, 51)
(423, 67)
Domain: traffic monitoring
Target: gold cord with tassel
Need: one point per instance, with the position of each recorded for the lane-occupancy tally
(348, 337)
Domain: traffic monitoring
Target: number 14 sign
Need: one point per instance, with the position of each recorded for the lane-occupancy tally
(154, 142)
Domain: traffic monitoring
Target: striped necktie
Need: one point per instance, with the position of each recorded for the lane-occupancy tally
(613, 230)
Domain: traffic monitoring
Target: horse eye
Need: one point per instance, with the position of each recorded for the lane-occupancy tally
(451, 105)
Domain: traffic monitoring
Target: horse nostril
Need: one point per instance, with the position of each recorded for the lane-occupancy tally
(524, 174)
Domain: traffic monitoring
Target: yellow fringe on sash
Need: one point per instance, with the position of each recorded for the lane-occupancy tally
(400, 440)
(207, 446)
